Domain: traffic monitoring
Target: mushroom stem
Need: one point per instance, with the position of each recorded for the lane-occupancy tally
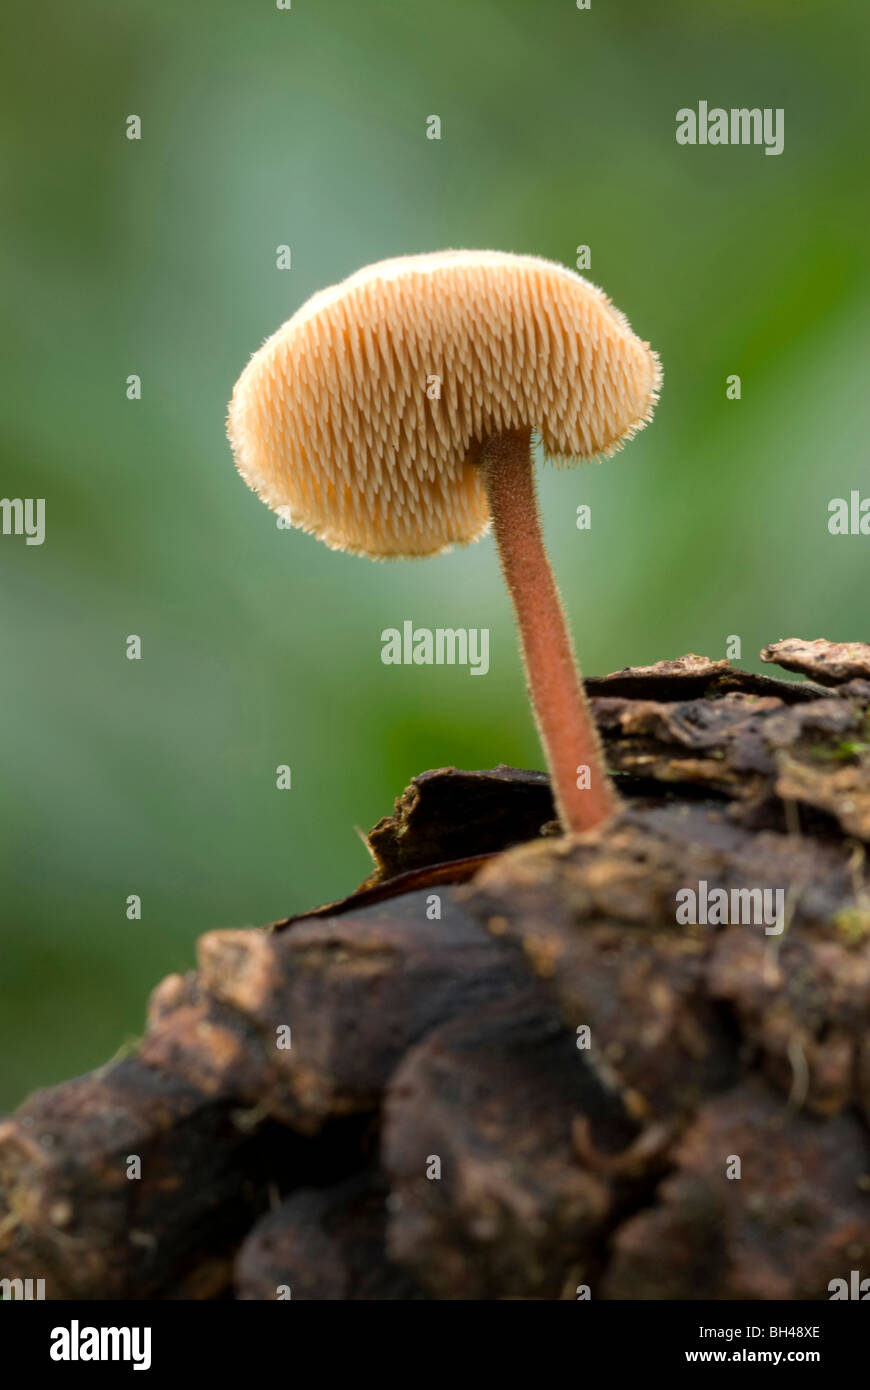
(568, 733)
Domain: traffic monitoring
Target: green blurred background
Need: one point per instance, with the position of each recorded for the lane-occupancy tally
(260, 646)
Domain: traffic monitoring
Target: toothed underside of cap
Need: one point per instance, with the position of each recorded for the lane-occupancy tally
(332, 424)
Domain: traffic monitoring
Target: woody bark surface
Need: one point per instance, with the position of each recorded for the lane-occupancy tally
(584, 1066)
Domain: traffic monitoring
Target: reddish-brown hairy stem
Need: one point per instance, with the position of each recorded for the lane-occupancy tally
(567, 731)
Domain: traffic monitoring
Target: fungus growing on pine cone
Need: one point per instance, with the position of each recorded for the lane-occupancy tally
(392, 416)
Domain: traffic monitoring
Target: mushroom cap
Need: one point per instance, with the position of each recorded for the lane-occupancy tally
(337, 424)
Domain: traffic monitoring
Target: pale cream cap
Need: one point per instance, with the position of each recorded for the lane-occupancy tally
(332, 421)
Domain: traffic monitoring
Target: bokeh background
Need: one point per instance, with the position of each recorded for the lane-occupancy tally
(260, 646)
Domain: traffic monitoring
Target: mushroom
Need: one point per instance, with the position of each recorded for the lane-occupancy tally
(392, 415)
